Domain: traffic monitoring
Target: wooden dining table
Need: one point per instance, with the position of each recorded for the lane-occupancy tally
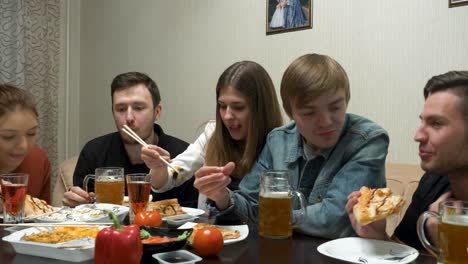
(254, 249)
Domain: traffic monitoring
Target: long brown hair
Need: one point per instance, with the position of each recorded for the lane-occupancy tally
(12, 97)
(253, 82)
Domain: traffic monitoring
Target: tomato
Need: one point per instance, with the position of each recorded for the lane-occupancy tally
(208, 242)
(148, 218)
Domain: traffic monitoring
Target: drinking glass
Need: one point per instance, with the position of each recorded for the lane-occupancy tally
(14, 186)
(276, 219)
(109, 184)
(452, 232)
(138, 187)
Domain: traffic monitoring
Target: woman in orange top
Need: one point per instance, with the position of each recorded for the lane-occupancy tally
(18, 153)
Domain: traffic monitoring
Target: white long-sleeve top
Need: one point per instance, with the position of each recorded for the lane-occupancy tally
(192, 159)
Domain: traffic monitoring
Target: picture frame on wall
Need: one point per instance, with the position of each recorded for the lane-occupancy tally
(288, 15)
(455, 3)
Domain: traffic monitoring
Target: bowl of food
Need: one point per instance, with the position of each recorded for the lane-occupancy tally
(156, 240)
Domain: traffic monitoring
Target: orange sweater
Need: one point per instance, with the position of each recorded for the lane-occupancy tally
(37, 165)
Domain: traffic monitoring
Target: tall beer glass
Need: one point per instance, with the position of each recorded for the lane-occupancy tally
(138, 187)
(276, 218)
(452, 232)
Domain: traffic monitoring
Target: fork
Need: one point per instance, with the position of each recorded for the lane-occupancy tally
(397, 257)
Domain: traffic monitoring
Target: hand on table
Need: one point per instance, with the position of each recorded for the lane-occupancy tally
(212, 181)
(76, 196)
(374, 230)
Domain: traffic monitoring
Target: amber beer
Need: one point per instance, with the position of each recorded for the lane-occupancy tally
(275, 215)
(109, 190)
(453, 239)
(138, 194)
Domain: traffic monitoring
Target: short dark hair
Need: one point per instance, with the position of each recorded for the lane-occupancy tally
(12, 97)
(129, 79)
(453, 81)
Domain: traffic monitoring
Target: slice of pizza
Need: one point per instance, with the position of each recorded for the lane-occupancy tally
(376, 204)
(34, 206)
(168, 207)
(227, 233)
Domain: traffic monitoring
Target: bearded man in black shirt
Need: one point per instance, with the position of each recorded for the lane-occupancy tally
(136, 102)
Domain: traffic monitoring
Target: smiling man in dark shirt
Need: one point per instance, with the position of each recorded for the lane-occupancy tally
(136, 102)
(443, 149)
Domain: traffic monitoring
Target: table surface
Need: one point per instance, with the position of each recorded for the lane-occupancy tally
(298, 249)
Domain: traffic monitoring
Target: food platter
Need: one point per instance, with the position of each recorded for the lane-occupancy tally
(84, 213)
(74, 251)
(243, 230)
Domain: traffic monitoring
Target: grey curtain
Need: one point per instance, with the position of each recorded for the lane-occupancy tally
(29, 58)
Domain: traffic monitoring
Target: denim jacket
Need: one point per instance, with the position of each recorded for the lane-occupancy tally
(358, 159)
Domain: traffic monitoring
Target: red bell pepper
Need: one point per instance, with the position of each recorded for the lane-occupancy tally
(118, 244)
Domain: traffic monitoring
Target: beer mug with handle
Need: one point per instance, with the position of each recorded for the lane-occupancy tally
(108, 184)
(452, 232)
(276, 217)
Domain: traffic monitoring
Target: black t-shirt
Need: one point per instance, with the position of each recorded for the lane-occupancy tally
(109, 151)
(430, 188)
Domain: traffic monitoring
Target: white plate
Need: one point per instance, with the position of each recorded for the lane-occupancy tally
(189, 213)
(81, 214)
(243, 229)
(374, 251)
(50, 250)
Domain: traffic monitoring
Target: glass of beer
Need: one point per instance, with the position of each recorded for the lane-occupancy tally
(452, 232)
(139, 188)
(276, 219)
(109, 184)
(14, 186)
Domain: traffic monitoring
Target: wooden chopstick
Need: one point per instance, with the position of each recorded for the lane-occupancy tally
(133, 135)
(137, 138)
(57, 224)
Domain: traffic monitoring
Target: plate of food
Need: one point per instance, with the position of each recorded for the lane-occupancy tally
(35, 207)
(84, 213)
(74, 244)
(231, 233)
(171, 210)
(362, 250)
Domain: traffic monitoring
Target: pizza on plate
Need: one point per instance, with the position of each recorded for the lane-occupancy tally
(227, 233)
(35, 206)
(376, 204)
(168, 207)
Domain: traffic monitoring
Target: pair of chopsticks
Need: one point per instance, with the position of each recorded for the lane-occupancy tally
(138, 139)
(58, 224)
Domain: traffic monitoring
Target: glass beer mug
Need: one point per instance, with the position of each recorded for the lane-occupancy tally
(276, 218)
(108, 184)
(452, 232)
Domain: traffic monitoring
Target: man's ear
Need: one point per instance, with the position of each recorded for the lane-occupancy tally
(157, 111)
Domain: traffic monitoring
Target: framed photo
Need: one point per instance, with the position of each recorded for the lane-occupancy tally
(455, 3)
(288, 15)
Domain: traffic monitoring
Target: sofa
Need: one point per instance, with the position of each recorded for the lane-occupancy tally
(63, 181)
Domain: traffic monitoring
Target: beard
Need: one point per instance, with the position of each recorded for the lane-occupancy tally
(450, 168)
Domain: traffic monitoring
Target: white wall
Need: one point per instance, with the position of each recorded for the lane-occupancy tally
(388, 48)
